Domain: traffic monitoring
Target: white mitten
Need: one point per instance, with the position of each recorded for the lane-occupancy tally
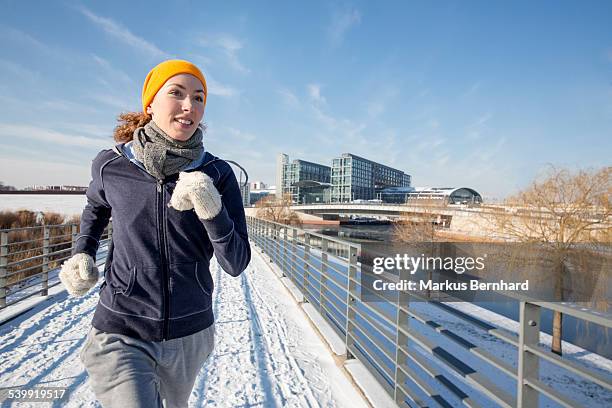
(196, 190)
(79, 274)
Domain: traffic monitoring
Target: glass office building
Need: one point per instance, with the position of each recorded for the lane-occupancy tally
(305, 182)
(355, 178)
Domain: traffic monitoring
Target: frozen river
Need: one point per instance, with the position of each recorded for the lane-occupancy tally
(60, 203)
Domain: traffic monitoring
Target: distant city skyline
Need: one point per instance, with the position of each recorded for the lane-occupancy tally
(454, 93)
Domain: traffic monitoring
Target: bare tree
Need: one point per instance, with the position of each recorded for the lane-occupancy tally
(564, 212)
(420, 222)
(278, 210)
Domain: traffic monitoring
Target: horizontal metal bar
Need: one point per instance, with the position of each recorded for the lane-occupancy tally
(61, 236)
(435, 374)
(35, 227)
(570, 365)
(376, 347)
(600, 318)
(20, 271)
(551, 393)
(32, 258)
(442, 355)
(408, 394)
(426, 388)
(467, 345)
(370, 360)
(21, 289)
(330, 265)
(329, 277)
(375, 324)
(492, 330)
(341, 302)
(314, 234)
(40, 265)
(24, 242)
(324, 305)
(36, 293)
(25, 250)
(59, 243)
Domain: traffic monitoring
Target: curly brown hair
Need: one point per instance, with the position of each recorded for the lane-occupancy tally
(128, 122)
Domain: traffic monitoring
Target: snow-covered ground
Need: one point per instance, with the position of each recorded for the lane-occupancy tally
(62, 204)
(266, 353)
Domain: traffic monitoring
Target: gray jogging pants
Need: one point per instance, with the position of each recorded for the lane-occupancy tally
(128, 373)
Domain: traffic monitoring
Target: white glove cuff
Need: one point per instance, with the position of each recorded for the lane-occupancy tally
(79, 274)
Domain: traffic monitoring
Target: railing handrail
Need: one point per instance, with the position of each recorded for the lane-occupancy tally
(38, 227)
(26, 273)
(273, 239)
(315, 234)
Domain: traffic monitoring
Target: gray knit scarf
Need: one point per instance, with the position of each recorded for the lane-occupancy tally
(163, 156)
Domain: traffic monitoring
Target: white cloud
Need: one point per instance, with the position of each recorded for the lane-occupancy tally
(288, 97)
(229, 46)
(219, 89)
(113, 101)
(472, 89)
(375, 108)
(18, 70)
(342, 23)
(97, 131)
(124, 35)
(314, 91)
(112, 71)
(10, 131)
(241, 135)
(13, 35)
(430, 143)
(475, 130)
(66, 105)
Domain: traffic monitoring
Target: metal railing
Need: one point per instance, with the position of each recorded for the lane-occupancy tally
(410, 363)
(30, 256)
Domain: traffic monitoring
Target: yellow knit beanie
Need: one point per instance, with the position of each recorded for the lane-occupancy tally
(157, 77)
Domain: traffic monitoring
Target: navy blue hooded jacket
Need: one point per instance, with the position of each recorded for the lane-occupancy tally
(157, 281)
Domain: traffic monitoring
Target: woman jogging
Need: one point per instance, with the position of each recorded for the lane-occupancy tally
(173, 205)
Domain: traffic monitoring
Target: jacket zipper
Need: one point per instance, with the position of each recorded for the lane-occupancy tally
(164, 259)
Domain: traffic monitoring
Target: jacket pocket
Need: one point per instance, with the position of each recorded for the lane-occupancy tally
(138, 294)
(204, 279)
(191, 289)
(125, 285)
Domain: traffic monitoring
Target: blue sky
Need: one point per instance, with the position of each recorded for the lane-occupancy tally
(455, 93)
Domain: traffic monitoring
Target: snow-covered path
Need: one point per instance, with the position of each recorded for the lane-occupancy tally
(266, 353)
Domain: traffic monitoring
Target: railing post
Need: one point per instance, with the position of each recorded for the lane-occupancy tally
(294, 250)
(401, 321)
(529, 364)
(351, 293)
(285, 243)
(270, 247)
(323, 274)
(110, 231)
(73, 234)
(256, 230)
(3, 262)
(267, 234)
(45, 262)
(306, 266)
(276, 243)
